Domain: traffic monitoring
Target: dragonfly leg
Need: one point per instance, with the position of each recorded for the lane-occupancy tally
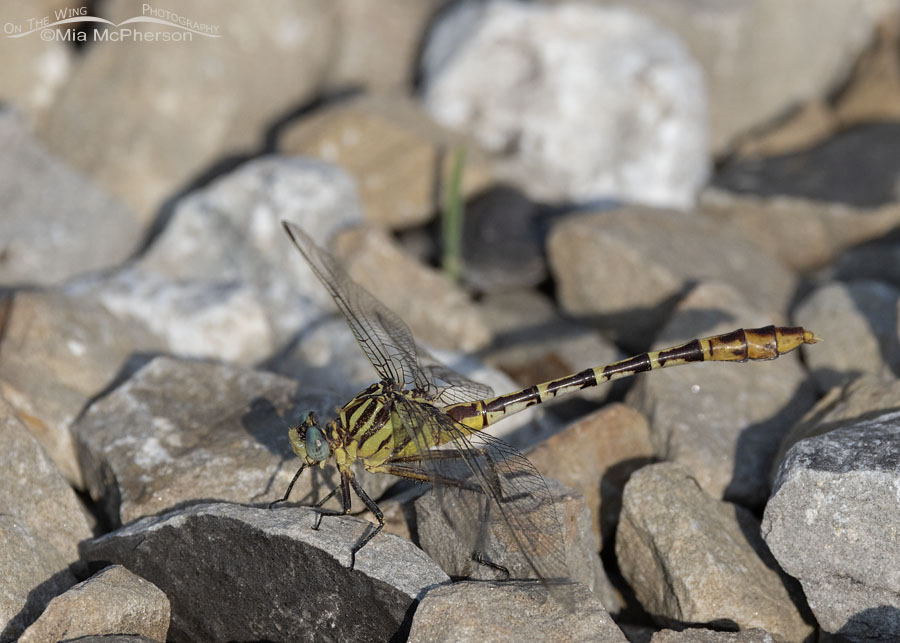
(447, 454)
(290, 487)
(345, 502)
(371, 506)
(478, 557)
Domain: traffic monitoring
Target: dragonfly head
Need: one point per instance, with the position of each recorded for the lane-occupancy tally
(308, 441)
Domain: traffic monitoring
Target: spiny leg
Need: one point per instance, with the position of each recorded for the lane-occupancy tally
(290, 487)
(345, 502)
(376, 511)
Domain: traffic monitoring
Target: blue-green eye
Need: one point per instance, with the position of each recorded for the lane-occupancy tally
(316, 446)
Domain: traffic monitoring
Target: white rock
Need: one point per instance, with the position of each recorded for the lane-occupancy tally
(581, 102)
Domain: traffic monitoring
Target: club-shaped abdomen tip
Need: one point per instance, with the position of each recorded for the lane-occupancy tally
(810, 337)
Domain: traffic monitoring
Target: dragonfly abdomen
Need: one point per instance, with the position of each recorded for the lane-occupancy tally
(739, 345)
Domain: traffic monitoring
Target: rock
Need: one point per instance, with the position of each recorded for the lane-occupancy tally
(400, 159)
(595, 456)
(113, 601)
(535, 343)
(33, 572)
(439, 313)
(803, 234)
(858, 167)
(379, 43)
(502, 242)
(43, 243)
(33, 492)
(832, 523)
(59, 352)
(224, 260)
(697, 635)
(693, 559)
(877, 260)
(452, 528)
(195, 318)
(506, 72)
(873, 91)
(723, 421)
(859, 321)
(240, 573)
(624, 270)
(114, 95)
(478, 611)
(35, 69)
(753, 49)
(805, 126)
(179, 431)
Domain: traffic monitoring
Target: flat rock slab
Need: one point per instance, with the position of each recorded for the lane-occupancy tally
(183, 430)
(511, 611)
(693, 559)
(697, 635)
(113, 601)
(833, 523)
(241, 573)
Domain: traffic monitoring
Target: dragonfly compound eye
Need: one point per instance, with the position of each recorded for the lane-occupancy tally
(316, 446)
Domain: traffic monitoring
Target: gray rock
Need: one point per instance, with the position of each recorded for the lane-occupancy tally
(33, 572)
(832, 523)
(534, 343)
(859, 167)
(595, 456)
(867, 396)
(113, 601)
(451, 545)
(239, 573)
(58, 353)
(805, 234)
(692, 559)
(40, 241)
(181, 431)
(399, 157)
(697, 635)
(723, 421)
(859, 321)
(751, 49)
(509, 612)
(438, 312)
(512, 69)
(626, 269)
(34, 493)
(35, 69)
(878, 260)
(114, 95)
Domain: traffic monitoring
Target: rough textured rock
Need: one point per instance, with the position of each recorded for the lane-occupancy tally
(41, 242)
(859, 320)
(180, 431)
(877, 260)
(35, 69)
(693, 559)
(33, 492)
(724, 421)
(438, 312)
(113, 601)
(832, 523)
(121, 94)
(625, 269)
(58, 352)
(509, 612)
(534, 343)
(506, 72)
(803, 234)
(859, 167)
(33, 572)
(768, 50)
(398, 156)
(696, 635)
(241, 573)
(451, 536)
(595, 456)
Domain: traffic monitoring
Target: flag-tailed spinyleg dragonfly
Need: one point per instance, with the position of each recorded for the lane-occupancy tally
(422, 421)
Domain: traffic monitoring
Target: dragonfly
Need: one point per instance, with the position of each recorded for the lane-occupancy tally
(424, 422)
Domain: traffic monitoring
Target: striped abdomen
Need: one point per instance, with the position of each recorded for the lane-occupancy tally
(737, 346)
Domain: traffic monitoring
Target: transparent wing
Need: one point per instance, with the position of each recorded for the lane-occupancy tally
(448, 386)
(490, 496)
(384, 337)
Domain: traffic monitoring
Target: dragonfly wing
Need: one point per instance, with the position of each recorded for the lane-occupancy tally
(493, 499)
(384, 337)
(448, 386)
